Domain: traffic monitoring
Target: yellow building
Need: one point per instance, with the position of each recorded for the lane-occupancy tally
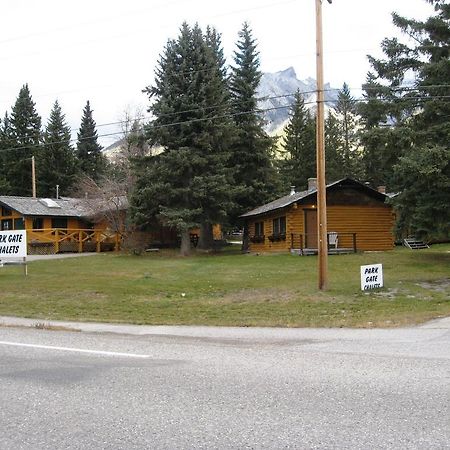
(358, 218)
(62, 225)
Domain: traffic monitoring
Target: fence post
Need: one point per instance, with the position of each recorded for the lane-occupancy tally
(116, 246)
(56, 240)
(97, 242)
(80, 241)
(354, 242)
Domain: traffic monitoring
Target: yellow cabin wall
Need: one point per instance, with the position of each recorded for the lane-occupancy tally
(373, 226)
(73, 223)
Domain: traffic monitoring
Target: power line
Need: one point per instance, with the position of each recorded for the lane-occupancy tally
(268, 98)
(224, 116)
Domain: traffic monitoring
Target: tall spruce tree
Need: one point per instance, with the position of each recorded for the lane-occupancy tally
(413, 148)
(333, 145)
(349, 123)
(299, 146)
(24, 138)
(253, 148)
(92, 162)
(57, 163)
(5, 144)
(189, 183)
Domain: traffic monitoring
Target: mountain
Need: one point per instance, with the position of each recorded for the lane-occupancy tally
(277, 91)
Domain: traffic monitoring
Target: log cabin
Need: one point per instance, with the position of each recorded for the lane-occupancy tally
(80, 225)
(359, 218)
(63, 224)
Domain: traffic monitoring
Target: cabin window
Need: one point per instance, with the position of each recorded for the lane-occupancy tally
(19, 224)
(7, 224)
(38, 223)
(279, 226)
(278, 230)
(259, 233)
(6, 211)
(259, 228)
(59, 222)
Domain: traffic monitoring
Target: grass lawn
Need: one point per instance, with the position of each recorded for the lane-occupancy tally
(231, 289)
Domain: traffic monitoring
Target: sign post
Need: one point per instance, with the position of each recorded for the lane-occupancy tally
(371, 277)
(13, 247)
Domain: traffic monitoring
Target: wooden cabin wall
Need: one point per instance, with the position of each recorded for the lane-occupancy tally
(72, 223)
(372, 224)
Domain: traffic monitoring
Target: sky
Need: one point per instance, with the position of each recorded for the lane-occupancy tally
(106, 51)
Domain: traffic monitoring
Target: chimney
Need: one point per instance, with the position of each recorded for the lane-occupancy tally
(292, 190)
(381, 189)
(312, 184)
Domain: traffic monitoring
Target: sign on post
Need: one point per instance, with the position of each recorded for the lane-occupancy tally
(13, 247)
(13, 244)
(371, 277)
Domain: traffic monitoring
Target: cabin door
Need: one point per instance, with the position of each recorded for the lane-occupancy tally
(311, 228)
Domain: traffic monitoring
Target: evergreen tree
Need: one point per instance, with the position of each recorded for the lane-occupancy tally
(253, 148)
(299, 146)
(333, 145)
(190, 183)
(5, 144)
(56, 164)
(24, 130)
(349, 122)
(417, 117)
(92, 162)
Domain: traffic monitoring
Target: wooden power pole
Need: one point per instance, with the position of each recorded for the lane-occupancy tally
(33, 176)
(320, 157)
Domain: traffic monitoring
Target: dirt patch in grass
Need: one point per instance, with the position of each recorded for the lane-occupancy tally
(436, 285)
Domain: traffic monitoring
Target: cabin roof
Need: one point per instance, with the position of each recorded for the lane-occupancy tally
(61, 207)
(290, 199)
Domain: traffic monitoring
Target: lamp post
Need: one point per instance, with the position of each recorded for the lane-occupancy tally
(320, 157)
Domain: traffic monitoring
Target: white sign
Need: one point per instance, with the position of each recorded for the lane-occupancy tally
(371, 277)
(13, 244)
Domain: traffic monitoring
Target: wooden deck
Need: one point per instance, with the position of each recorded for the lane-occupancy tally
(315, 251)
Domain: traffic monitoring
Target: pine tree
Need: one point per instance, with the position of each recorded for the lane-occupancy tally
(5, 145)
(24, 131)
(299, 146)
(349, 122)
(190, 183)
(56, 164)
(253, 148)
(92, 163)
(333, 145)
(407, 125)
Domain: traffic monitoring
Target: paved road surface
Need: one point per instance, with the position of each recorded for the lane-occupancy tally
(182, 388)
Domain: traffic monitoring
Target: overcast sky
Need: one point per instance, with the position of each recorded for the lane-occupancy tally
(105, 51)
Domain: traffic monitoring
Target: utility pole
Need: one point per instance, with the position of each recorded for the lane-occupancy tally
(33, 176)
(320, 157)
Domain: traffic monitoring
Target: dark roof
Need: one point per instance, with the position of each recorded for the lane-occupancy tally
(61, 207)
(287, 200)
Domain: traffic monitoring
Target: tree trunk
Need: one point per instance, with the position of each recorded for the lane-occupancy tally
(185, 249)
(206, 239)
(245, 238)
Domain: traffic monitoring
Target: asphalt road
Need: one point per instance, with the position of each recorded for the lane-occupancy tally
(208, 388)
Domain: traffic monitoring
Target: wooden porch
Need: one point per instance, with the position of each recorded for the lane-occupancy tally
(338, 243)
(50, 241)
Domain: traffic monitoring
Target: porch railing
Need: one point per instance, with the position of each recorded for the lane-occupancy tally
(59, 240)
(337, 242)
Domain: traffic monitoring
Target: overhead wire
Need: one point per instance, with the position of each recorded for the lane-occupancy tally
(203, 119)
(268, 98)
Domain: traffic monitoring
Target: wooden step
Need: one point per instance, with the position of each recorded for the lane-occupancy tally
(414, 244)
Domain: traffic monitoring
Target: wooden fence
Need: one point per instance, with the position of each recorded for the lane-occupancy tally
(59, 240)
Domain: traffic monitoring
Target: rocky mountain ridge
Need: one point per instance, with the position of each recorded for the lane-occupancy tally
(277, 91)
